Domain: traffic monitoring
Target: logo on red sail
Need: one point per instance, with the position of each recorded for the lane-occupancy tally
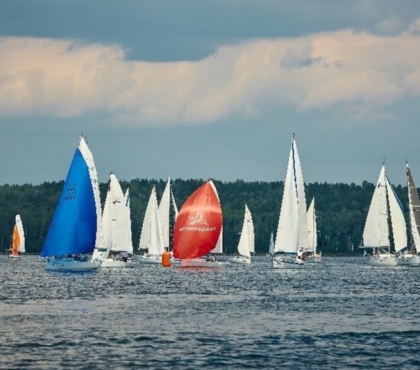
(198, 219)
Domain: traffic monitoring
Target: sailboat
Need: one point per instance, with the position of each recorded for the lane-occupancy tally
(198, 227)
(151, 237)
(385, 208)
(116, 221)
(292, 230)
(313, 256)
(74, 227)
(18, 239)
(412, 257)
(246, 241)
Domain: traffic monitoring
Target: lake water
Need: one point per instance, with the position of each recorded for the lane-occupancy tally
(340, 315)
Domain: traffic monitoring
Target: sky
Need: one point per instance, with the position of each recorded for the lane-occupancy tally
(210, 89)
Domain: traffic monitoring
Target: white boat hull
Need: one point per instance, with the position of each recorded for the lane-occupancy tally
(71, 264)
(409, 260)
(383, 260)
(288, 263)
(14, 256)
(201, 262)
(110, 263)
(151, 259)
(313, 259)
(240, 260)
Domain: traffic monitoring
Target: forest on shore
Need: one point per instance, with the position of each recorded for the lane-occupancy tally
(341, 210)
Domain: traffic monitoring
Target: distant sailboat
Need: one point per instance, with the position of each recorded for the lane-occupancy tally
(292, 231)
(412, 256)
(151, 237)
(117, 227)
(73, 230)
(166, 201)
(18, 239)
(271, 246)
(198, 227)
(246, 241)
(313, 256)
(385, 208)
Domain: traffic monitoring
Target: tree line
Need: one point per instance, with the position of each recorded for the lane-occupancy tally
(341, 210)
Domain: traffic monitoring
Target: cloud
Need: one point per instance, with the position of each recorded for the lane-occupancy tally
(68, 78)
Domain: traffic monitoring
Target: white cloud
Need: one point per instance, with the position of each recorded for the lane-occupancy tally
(364, 72)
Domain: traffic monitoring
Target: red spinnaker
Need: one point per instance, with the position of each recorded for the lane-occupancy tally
(198, 225)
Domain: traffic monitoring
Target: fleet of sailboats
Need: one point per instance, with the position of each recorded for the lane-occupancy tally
(79, 226)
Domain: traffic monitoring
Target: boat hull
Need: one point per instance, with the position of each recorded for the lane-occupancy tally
(71, 264)
(409, 260)
(110, 263)
(313, 259)
(240, 260)
(288, 263)
(150, 260)
(383, 260)
(14, 256)
(201, 262)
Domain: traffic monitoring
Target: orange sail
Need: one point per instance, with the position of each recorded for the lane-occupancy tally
(15, 241)
(198, 225)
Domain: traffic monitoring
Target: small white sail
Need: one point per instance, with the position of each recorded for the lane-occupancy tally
(151, 234)
(271, 245)
(312, 235)
(164, 212)
(246, 241)
(399, 227)
(219, 245)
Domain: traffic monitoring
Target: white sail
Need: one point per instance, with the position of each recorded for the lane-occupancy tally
(88, 156)
(376, 232)
(164, 212)
(399, 227)
(121, 219)
(174, 205)
(19, 226)
(219, 245)
(414, 210)
(246, 241)
(292, 229)
(312, 235)
(106, 226)
(271, 245)
(151, 237)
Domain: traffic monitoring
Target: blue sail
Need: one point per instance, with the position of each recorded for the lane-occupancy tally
(73, 228)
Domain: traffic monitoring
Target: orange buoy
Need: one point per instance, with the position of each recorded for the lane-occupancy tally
(166, 259)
